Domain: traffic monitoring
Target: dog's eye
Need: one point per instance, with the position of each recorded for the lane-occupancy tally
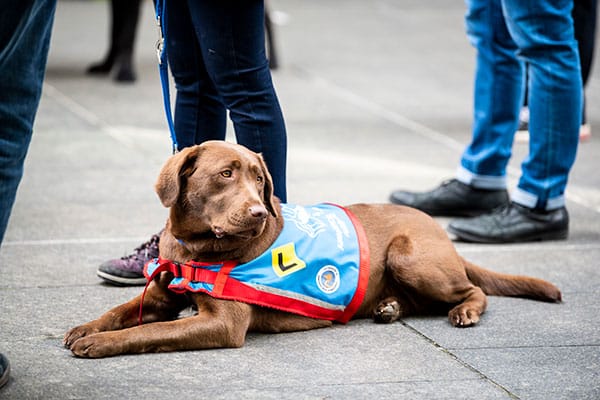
(259, 179)
(227, 173)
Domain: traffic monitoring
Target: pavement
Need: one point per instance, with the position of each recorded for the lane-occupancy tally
(377, 95)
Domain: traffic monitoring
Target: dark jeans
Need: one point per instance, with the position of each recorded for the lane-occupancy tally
(25, 28)
(216, 52)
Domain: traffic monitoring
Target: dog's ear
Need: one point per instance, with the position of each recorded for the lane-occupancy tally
(268, 191)
(177, 166)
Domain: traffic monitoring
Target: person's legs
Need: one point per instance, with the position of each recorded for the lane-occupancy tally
(129, 14)
(481, 178)
(229, 58)
(105, 66)
(543, 31)
(24, 43)
(123, 27)
(232, 42)
(584, 21)
(199, 112)
(199, 116)
(497, 97)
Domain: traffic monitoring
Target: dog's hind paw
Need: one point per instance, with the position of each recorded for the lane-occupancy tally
(462, 316)
(387, 311)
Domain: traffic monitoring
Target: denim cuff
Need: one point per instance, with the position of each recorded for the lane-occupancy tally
(480, 181)
(529, 200)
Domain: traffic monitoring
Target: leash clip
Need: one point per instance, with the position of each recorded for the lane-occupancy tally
(160, 43)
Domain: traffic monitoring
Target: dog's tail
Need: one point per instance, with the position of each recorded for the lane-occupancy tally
(497, 284)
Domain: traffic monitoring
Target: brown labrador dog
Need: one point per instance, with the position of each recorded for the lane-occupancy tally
(222, 208)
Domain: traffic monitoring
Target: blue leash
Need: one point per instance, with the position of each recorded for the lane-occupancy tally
(163, 68)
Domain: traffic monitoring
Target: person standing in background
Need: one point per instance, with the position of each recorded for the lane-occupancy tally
(25, 30)
(216, 52)
(508, 34)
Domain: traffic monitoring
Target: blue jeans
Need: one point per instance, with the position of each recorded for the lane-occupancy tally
(507, 34)
(216, 52)
(25, 29)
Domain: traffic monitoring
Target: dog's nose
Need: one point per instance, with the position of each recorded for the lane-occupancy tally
(258, 212)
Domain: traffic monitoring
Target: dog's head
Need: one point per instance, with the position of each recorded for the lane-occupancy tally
(217, 187)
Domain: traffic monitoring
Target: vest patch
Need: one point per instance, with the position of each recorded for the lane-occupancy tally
(317, 267)
(285, 261)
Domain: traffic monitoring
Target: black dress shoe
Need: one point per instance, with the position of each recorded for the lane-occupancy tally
(513, 223)
(101, 68)
(452, 198)
(4, 370)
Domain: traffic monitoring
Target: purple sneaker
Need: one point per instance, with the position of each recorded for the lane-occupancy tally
(129, 270)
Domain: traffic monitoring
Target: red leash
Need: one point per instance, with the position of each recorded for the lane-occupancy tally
(163, 265)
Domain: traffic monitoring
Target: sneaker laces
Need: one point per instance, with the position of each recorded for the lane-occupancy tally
(501, 212)
(149, 249)
(452, 184)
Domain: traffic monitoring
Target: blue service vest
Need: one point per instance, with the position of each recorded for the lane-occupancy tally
(318, 267)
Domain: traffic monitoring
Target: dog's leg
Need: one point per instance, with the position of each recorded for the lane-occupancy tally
(468, 312)
(218, 324)
(159, 305)
(436, 277)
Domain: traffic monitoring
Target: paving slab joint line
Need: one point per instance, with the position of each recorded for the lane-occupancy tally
(461, 362)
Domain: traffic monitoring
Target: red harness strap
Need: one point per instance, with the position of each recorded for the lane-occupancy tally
(191, 271)
(164, 265)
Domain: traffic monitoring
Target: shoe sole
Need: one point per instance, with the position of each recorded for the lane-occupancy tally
(537, 237)
(120, 281)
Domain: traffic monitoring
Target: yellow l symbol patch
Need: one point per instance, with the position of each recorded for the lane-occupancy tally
(285, 261)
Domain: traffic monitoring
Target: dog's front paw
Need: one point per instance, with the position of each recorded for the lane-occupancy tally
(387, 311)
(463, 316)
(95, 346)
(77, 333)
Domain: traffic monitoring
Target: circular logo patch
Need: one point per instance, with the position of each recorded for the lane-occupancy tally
(328, 279)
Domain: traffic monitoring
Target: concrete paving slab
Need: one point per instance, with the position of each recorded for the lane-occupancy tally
(360, 359)
(377, 96)
(564, 372)
(569, 265)
(516, 323)
(55, 263)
